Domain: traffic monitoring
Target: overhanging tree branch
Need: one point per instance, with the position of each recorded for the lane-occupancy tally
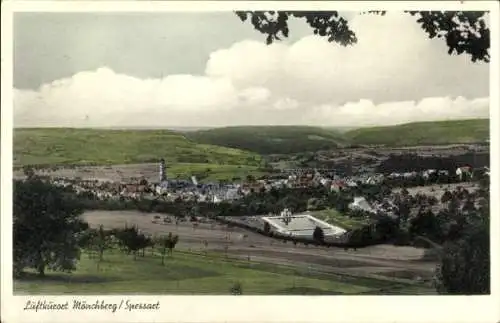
(463, 31)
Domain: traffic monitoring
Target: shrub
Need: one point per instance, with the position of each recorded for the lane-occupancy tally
(236, 289)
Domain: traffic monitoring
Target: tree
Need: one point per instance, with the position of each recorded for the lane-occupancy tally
(403, 212)
(318, 235)
(250, 178)
(103, 241)
(465, 264)
(463, 31)
(167, 245)
(446, 197)
(426, 224)
(131, 240)
(46, 225)
(86, 240)
(267, 227)
(95, 240)
(386, 228)
(465, 261)
(236, 289)
(143, 242)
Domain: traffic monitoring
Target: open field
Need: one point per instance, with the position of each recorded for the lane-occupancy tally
(334, 217)
(189, 273)
(226, 147)
(386, 264)
(423, 133)
(149, 171)
(260, 264)
(62, 146)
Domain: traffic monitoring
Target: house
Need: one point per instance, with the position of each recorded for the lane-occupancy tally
(324, 181)
(394, 175)
(336, 186)
(351, 183)
(427, 173)
(372, 180)
(464, 172)
(360, 203)
(410, 174)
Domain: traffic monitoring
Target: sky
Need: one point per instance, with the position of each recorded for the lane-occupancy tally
(210, 69)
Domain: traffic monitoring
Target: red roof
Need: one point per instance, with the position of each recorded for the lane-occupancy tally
(339, 183)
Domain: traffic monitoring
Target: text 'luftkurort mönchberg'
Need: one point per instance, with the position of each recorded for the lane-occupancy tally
(98, 305)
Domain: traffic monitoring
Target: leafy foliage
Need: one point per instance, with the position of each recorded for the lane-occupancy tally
(267, 227)
(167, 245)
(236, 289)
(318, 235)
(465, 261)
(132, 240)
(465, 264)
(271, 139)
(463, 31)
(46, 224)
(96, 240)
(275, 24)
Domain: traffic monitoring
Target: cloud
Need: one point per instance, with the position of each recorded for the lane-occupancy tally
(393, 75)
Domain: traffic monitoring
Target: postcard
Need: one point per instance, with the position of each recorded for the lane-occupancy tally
(234, 161)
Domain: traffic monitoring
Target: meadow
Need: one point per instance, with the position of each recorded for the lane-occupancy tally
(190, 273)
(65, 146)
(423, 133)
(336, 218)
(211, 172)
(227, 146)
(221, 153)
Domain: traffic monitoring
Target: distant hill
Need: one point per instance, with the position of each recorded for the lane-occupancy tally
(223, 146)
(271, 139)
(44, 146)
(423, 133)
(173, 128)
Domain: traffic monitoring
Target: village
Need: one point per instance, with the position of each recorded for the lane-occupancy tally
(430, 182)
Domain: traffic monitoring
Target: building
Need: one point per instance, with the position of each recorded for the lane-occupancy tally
(360, 203)
(464, 172)
(338, 185)
(163, 171)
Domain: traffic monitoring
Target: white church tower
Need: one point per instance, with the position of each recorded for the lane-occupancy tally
(163, 171)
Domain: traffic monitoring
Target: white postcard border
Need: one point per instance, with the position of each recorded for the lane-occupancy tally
(249, 308)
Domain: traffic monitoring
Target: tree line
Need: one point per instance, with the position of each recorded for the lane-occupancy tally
(414, 162)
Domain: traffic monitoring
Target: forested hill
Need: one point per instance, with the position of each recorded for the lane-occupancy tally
(294, 139)
(423, 133)
(271, 139)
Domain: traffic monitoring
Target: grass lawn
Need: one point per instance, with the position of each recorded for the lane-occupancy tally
(334, 217)
(423, 133)
(187, 273)
(49, 146)
(213, 171)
